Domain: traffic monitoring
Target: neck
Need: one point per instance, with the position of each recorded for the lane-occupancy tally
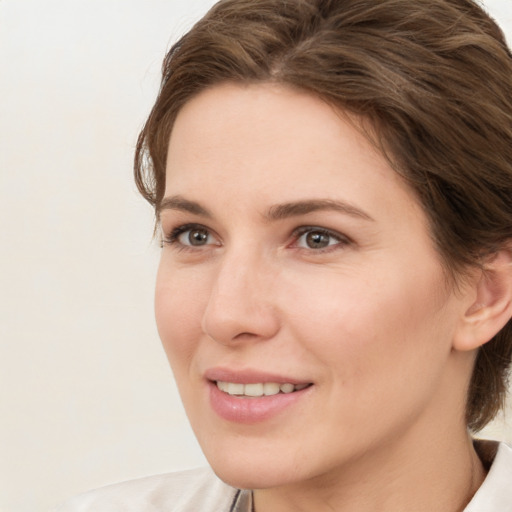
(440, 474)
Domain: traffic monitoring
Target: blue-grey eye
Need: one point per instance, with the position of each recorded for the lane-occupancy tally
(195, 237)
(317, 240)
(190, 235)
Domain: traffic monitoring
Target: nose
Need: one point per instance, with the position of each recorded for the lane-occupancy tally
(240, 306)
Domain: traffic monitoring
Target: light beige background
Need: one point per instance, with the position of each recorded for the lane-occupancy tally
(86, 397)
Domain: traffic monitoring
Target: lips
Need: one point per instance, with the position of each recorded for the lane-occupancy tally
(251, 396)
(250, 376)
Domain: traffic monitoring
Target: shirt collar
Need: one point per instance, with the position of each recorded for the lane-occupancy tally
(495, 493)
(242, 502)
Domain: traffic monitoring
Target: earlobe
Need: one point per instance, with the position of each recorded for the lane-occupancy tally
(492, 308)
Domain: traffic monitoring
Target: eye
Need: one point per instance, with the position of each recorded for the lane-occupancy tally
(318, 238)
(190, 235)
(197, 236)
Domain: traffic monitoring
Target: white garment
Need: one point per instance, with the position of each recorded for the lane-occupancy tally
(199, 490)
(196, 490)
(495, 493)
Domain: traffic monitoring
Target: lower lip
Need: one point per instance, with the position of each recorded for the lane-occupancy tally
(252, 410)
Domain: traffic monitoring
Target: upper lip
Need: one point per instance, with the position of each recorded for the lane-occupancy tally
(249, 376)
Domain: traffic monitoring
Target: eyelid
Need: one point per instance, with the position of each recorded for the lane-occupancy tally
(172, 237)
(302, 230)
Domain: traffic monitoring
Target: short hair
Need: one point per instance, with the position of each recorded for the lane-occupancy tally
(431, 78)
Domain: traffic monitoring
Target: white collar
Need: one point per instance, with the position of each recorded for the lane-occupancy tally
(495, 493)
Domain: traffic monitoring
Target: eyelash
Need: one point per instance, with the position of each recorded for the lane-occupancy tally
(172, 239)
(173, 236)
(341, 240)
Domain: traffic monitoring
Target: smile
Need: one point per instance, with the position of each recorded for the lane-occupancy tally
(259, 389)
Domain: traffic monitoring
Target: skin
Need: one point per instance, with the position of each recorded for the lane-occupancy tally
(370, 320)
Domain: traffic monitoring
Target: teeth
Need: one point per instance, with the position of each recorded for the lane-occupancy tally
(235, 388)
(253, 389)
(270, 388)
(258, 389)
(287, 388)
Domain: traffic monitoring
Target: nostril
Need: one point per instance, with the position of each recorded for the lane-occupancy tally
(237, 338)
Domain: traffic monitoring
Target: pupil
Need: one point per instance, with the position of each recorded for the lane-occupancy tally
(198, 237)
(317, 240)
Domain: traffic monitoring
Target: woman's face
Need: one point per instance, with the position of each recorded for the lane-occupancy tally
(300, 300)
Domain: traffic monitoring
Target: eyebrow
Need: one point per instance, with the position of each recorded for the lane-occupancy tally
(185, 205)
(296, 208)
(275, 212)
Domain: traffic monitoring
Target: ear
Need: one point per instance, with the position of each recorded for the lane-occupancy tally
(490, 311)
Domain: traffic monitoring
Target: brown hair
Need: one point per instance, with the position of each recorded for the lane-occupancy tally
(432, 77)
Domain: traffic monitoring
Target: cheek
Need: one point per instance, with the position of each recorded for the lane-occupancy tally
(178, 309)
(371, 327)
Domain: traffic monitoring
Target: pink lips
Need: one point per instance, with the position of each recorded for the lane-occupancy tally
(247, 410)
(248, 376)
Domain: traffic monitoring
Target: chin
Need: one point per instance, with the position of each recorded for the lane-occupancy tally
(262, 465)
(246, 475)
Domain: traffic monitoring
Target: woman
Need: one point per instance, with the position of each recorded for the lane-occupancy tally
(332, 182)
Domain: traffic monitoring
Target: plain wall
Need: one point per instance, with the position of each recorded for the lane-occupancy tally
(86, 395)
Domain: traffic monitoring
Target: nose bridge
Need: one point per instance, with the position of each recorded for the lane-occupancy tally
(240, 303)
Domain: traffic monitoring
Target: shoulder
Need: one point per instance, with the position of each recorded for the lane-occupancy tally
(495, 494)
(193, 490)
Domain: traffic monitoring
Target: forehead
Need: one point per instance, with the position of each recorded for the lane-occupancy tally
(267, 131)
